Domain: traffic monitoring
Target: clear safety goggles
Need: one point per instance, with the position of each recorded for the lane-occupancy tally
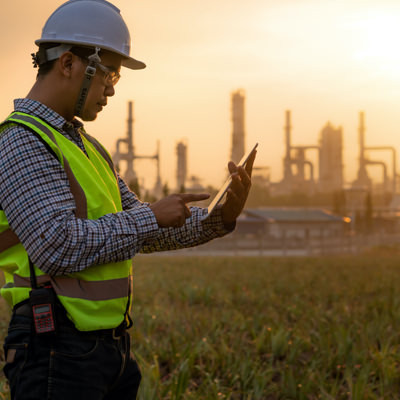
(111, 76)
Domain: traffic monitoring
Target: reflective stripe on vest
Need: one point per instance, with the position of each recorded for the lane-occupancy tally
(78, 289)
(97, 297)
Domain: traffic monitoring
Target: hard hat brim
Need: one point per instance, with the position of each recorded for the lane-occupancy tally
(127, 61)
(131, 63)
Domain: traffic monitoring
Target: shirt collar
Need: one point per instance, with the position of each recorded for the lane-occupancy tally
(37, 109)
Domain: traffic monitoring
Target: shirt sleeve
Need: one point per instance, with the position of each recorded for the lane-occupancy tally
(195, 232)
(129, 199)
(39, 207)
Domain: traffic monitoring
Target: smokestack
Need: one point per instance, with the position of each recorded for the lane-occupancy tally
(287, 171)
(130, 127)
(238, 134)
(181, 170)
(130, 175)
(361, 136)
(288, 128)
(362, 177)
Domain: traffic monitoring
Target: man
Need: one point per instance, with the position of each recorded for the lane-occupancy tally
(69, 226)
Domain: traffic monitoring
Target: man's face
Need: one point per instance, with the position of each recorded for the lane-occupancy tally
(100, 88)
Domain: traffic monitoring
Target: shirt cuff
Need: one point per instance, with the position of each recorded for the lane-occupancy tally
(145, 222)
(215, 223)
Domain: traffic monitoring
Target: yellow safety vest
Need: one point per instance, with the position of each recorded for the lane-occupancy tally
(97, 297)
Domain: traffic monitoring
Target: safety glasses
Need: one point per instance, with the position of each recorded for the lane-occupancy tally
(111, 76)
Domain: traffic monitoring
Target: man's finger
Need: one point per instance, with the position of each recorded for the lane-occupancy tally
(233, 196)
(232, 167)
(237, 182)
(189, 197)
(244, 176)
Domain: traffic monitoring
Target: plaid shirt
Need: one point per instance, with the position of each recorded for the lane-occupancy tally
(39, 206)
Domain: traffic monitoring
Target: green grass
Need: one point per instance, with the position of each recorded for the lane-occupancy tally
(267, 328)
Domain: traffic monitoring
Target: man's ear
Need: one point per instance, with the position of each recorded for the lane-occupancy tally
(65, 63)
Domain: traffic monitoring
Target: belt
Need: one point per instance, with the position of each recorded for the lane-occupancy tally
(25, 309)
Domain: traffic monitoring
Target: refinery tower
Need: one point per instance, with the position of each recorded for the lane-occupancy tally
(331, 159)
(238, 134)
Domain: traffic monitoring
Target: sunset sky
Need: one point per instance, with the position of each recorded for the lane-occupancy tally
(323, 60)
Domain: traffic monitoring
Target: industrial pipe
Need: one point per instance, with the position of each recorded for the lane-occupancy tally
(394, 157)
(370, 162)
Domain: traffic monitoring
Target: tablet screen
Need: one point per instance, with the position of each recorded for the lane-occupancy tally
(219, 196)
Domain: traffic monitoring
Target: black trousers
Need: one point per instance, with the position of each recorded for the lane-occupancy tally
(72, 365)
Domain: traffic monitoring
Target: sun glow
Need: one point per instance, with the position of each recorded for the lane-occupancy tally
(322, 59)
(378, 42)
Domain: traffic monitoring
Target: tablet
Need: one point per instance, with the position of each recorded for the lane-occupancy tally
(220, 195)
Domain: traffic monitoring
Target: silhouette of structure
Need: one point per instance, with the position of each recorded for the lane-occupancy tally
(129, 156)
(331, 159)
(294, 179)
(298, 169)
(181, 168)
(330, 162)
(363, 180)
(238, 133)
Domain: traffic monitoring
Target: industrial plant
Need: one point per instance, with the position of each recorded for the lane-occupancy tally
(273, 217)
(307, 168)
(129, 155)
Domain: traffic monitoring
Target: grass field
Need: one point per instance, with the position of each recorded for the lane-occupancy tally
(260, 328)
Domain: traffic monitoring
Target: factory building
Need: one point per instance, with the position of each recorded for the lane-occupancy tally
(322, 173)
(331, 159)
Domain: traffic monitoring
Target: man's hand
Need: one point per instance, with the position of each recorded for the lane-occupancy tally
(172, 211)
(237, 193)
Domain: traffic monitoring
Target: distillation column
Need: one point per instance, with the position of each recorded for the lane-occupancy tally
(362, 175)
(130, 175)
(363, 178)
(129, 156)
(181, 168)
(238, 134)
(287, 161)
(331, 159)
(295, 180)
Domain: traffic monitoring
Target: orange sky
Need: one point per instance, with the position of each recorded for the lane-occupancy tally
(325, 60)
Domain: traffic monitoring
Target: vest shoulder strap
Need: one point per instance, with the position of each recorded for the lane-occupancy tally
(99, 147)
(8, 237)
(32, 131)
(76, 189)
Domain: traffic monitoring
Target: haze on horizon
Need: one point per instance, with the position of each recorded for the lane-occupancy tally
(323, 60)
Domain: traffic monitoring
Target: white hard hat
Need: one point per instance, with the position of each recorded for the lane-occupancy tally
(94, 23)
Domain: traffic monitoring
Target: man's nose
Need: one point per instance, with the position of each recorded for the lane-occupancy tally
(109, 90)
